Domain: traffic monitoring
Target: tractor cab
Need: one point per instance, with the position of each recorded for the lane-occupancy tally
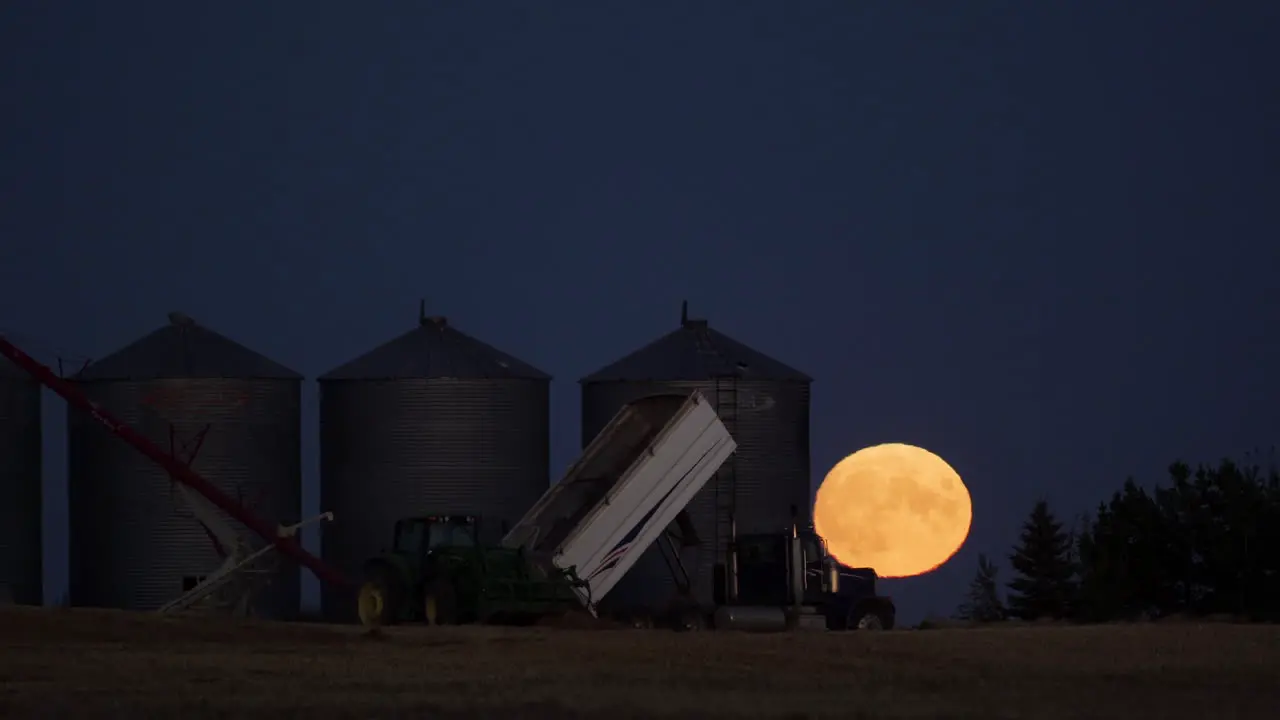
(420, 542)
(420, 536)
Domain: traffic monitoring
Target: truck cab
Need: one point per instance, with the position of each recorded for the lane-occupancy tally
(845, 598)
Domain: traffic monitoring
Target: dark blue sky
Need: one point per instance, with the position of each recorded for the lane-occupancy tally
(1037, 238)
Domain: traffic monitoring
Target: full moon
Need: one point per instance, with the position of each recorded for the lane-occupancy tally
(896, 508)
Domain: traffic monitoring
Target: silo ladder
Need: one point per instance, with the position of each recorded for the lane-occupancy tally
(726, 480)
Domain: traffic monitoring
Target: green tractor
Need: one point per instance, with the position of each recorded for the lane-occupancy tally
(439, 572)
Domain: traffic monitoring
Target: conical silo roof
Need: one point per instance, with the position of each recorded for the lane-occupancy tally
(433, 350)
(693, 352)
(185, 349)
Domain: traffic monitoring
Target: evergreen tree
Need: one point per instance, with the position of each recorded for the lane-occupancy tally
(983, 601)
(1124, 559)
(1044, 586)
(1205, 543)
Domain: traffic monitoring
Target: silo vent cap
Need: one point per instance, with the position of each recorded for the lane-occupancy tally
(686, 321)
(180, 319)
(439, 321)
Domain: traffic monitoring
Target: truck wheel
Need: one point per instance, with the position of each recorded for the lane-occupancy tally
(440, 603)
(684, 615)
(869, 617)
(378, 602)
(688, 620)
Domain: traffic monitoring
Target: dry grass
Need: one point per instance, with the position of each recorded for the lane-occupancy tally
(68, 663)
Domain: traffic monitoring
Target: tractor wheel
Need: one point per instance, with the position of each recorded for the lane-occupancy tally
(440, 603)
(378, 603)
(869, 617)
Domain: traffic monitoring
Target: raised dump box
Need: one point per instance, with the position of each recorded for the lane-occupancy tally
(630, 484)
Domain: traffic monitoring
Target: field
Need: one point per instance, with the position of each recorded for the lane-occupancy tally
(79, 663)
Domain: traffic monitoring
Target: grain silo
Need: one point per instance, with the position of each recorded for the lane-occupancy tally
(133, 543)
(20, 479)
(431, 422)
(763, 403)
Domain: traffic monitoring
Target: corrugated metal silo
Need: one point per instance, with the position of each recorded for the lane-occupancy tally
(433, 421)
(763, 403)
(133, 543)
(21, 572)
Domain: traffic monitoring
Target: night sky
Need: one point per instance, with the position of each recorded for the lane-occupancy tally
(1038, 238)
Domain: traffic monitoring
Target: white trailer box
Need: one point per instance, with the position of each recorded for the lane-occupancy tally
(631, 482)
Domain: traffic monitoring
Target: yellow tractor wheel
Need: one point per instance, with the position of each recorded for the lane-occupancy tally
(372, 605)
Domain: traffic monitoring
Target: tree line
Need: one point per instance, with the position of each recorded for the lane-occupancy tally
(1207, 542)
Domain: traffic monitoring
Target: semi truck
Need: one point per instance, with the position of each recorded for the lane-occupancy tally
(771, 581)
(629, 487)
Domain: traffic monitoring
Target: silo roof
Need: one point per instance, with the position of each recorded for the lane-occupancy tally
(185, 349)
(695, 351)
(435, 350)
